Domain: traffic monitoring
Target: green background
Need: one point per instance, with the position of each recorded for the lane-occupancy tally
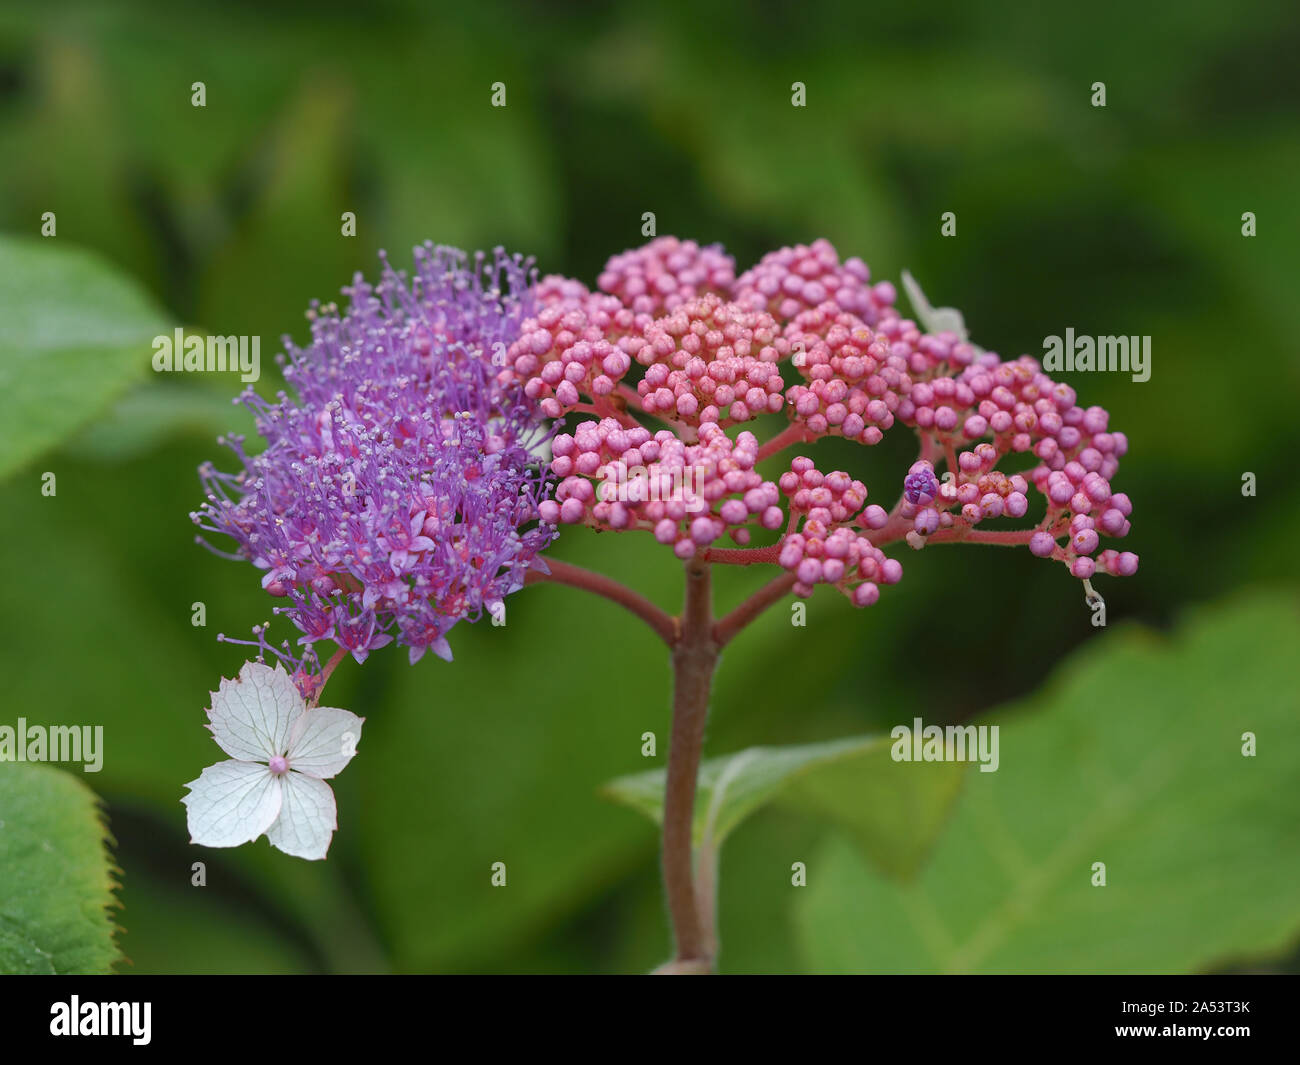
(1117, 220)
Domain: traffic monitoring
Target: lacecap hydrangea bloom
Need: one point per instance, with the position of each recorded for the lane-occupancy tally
(399, 488)
(445, 425)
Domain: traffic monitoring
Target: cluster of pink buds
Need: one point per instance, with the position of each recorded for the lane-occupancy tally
(711, 361)
(674, 339)
(825, 549)
(577, 345)
(855, 381)
(788, 281)
(666, 273)
(687, 495)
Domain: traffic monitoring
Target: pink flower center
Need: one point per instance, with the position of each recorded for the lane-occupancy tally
(279, 765)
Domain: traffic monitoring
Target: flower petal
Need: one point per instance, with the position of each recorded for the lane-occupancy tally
(231, 803)
(323, 741)
(251, 716)
(308, 818)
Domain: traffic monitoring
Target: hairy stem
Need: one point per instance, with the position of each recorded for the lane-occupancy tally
(695, 656)
(741, 556)
(706, 901)
(1000, 537)
(663, 624)
(899, 527)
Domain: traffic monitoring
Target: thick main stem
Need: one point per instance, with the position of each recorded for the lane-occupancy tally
(694, 658)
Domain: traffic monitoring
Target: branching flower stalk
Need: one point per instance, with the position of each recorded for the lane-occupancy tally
(448, 427)
(695, 657)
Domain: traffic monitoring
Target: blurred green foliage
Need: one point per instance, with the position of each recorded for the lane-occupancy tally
(1120, 220)
(1123, 832)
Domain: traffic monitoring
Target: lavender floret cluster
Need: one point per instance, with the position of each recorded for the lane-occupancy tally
(399, 489)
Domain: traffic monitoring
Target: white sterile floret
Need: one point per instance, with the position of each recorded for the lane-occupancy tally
(282, 752)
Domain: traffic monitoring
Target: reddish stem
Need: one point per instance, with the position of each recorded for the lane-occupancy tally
(1003, 538)
(899, 527)
(602, 408)
(794, 433)
(695, 656)
(740, 556)
(950, 459)
(325, 673)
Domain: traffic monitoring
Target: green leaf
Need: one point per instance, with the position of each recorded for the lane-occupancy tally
(57, 884)
(733, 786)
(1133, 757)
(73, 334)
(21, 955)
(892, 810)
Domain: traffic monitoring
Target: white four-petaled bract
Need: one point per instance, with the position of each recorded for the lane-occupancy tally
(281, 754)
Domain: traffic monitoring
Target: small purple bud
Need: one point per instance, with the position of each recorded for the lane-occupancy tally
(920, 488)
